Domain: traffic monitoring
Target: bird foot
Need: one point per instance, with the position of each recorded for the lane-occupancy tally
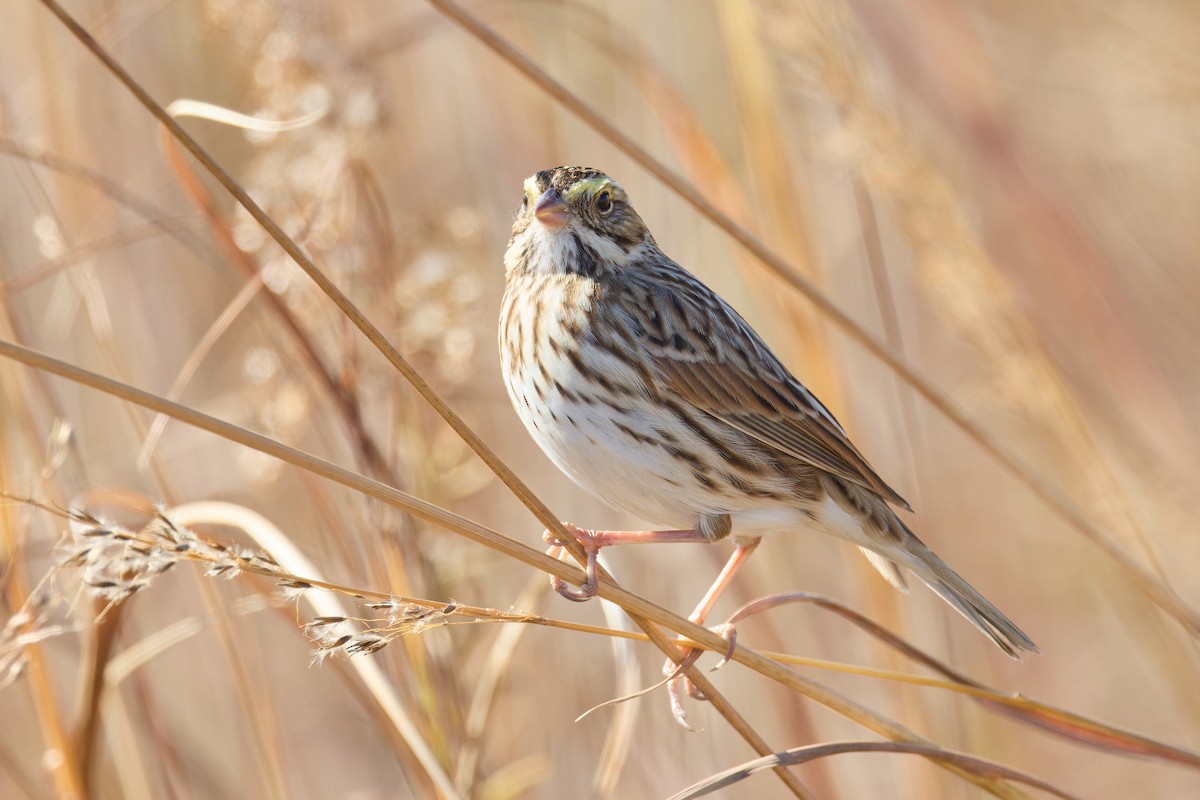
(677, 709)
(676, 680)
(587, 590)
(679, 681)
(728, 632)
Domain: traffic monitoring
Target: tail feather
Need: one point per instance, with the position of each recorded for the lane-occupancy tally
(889, 569)
(938, 576)
(889, 545)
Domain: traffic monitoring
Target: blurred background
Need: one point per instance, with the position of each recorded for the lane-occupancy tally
(1006, 193)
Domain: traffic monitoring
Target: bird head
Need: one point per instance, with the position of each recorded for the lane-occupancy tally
(576, 219)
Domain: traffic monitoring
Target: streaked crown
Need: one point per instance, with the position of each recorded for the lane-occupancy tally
(586, 203)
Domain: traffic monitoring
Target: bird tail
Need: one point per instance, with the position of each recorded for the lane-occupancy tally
(877, 528)
(938, 576)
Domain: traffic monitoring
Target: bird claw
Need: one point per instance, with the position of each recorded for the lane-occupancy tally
(676, 678)
(551, 538)
(677, 710)
(728, 632)
(586, 590)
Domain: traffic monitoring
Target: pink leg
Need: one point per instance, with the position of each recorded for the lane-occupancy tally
(738, 557)
(593, 541)
(703, 609)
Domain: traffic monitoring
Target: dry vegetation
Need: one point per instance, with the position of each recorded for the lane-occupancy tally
(1001, 197)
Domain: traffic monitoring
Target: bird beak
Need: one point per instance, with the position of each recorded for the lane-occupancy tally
(552, 211)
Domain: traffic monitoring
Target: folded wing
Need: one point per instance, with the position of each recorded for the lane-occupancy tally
(703, 351)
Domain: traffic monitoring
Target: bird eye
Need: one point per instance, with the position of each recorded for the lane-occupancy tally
(525, 200)
(604, 203)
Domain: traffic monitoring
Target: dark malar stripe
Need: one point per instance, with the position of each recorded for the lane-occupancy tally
(587, 260)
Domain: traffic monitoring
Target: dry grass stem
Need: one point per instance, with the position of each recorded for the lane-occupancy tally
(351, 311)
(1036, 482)
(976, 204)
(115, 563)
(633, 604)
(801, 755)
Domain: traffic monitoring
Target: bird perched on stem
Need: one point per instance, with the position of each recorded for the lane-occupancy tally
(650, 391)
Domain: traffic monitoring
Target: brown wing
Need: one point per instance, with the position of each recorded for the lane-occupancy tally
(704, 352)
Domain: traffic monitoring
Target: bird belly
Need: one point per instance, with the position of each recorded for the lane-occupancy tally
(823, 515)
(607, 450)
(630, 451)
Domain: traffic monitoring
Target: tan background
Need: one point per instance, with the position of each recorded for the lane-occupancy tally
(1006, 192)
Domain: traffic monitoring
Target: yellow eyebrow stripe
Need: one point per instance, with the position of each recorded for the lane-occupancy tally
(586, 186)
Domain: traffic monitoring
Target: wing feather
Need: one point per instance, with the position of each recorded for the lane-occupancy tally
(704, 352)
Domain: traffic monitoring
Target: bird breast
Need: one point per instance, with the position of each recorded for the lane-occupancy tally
(585, 395)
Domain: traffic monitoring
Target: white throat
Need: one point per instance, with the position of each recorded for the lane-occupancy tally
(550, 250)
